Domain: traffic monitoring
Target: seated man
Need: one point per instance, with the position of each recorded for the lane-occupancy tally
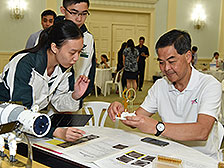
(187, 101)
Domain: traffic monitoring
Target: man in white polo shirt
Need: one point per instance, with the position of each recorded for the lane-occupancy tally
(187, 101)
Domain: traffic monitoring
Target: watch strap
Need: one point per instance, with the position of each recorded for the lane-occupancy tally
(158, 133)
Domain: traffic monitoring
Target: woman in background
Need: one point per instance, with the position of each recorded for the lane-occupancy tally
(216, 60)
(104, 61)
(120, 64)
(130, 61)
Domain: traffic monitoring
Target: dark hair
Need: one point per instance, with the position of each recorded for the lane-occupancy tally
(123, 46)
(130, 43)
(58, 33)
(142, 38)
(194, 48)
(180, 39)
(48, 12)
(104, 56)
(67, 3)
(215, 53)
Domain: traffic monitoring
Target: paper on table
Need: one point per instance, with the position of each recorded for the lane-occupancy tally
(124, 160)
(191, 159)
(94, 151)
(114, 161)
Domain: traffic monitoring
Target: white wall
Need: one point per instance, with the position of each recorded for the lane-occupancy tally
(207, 38)
(161, 18)
(14, 33)
(59, 4)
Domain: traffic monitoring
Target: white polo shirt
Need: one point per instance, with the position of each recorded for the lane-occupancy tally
(201, 96)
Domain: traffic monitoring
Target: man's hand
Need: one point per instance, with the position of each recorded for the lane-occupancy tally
(68, 134)
(80, 87)
(196, 131)
(144, 55)
(115, 109)
(143, 123)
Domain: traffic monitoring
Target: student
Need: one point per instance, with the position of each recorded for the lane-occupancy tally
(44, 74)
(77, 11)
(187, 100)
(47, 20)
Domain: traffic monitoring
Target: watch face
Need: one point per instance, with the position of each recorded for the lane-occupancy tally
(160, 127)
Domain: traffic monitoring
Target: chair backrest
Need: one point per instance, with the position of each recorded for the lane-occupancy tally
(118, 76)
(97, 108)
(113, 69)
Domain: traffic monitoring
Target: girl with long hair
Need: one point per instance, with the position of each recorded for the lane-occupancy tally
(44, 74)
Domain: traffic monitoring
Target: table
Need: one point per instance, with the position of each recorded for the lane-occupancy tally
(99, 152)
(23, 159)
(102, 75)
(219, 75)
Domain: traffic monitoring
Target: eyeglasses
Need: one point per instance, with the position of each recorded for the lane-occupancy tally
(77, 13)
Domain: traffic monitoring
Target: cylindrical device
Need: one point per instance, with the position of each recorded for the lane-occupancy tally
(33, 123)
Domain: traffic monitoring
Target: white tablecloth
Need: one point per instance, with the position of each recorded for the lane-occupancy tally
(219, 75)
(102, 75)
(93, 153)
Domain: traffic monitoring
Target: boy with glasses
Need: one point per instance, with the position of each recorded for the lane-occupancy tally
(77, 11)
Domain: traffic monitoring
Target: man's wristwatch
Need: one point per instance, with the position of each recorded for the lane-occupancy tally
(160, 127)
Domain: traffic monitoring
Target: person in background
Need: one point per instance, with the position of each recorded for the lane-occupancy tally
(194, 55)
(120, 64)
(143, 54)
(104, 62)
(47, 20)
(187, 100)
(44, 74)
(130, 61)
(97, 64)
(77, 11)
(216, 59)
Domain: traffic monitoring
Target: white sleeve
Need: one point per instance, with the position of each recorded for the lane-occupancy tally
(62, 98)
(84, 63)
(150, 104)
(64, 102)
(211, 99)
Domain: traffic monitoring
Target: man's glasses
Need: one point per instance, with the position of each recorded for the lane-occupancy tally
(77, 13)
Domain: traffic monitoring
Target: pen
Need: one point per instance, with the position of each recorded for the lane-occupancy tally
(47, 149)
